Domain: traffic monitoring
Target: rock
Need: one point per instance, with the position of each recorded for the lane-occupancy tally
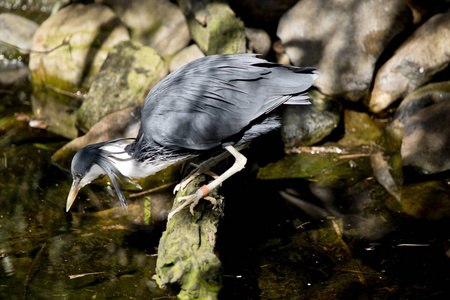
(413, 103)
(128, 74)
(426, 139)
(58, 109)
(343, 39)
(155, 23)
(214, 26)
(16, 77)
(423, 97)
(16, 34)
(415, 62)
(186, 257)
(328, 166)
(331, 165)
(71, 45)
(185, 56)
(261, 13)
(121, 124)
(258, 41)
(422, 9)
(360, 129)
(423, 200)
(308, 124)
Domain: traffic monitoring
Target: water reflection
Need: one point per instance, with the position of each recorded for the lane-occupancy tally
(47, 253)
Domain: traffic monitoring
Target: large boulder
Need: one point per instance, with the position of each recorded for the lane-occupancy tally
(128, 74)
(418, 59)
(71, 45)
(343, 39)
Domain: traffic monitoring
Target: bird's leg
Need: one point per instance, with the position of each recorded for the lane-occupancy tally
(204, 168)
(203, 191)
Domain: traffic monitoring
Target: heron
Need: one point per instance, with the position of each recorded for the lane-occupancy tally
(218, 102)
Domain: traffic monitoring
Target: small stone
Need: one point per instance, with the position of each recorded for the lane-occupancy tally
(214, 26)
(258, 41)
(309, 124)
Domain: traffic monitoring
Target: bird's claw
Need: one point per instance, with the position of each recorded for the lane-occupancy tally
(182, 185)
(199, 169)
(191, 200)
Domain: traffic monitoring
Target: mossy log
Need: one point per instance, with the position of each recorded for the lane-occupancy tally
(186, 258)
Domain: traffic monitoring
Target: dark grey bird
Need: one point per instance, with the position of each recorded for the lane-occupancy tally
(219, 101)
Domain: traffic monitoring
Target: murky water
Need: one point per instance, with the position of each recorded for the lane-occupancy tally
(47, 253)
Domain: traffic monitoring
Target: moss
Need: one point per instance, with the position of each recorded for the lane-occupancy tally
(425, 200)
(327, 169)
(215, 28)
(186, 258)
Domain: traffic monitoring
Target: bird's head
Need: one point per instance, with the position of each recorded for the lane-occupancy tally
(92, 162)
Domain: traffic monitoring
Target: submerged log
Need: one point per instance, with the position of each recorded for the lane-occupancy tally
(186, 258)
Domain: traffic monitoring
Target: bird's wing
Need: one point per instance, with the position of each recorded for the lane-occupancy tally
(211, 99)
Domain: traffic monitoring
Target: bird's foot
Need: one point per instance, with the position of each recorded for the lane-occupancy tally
(199, 169)
(192, 200)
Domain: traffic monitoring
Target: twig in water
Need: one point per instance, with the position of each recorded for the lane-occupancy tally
(27, 279)
(161, 187)
(84, 274)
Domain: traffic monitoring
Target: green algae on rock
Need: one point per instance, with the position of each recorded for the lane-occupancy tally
(214, 27)
(186, 257)
(128, 74)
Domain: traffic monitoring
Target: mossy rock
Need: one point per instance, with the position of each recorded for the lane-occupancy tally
(128, 74)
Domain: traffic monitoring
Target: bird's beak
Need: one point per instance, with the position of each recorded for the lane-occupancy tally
(76, 187)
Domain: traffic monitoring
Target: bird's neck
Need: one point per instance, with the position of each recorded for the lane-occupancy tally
(128, 166)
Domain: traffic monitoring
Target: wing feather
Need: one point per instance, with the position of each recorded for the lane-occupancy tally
(213, 98)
